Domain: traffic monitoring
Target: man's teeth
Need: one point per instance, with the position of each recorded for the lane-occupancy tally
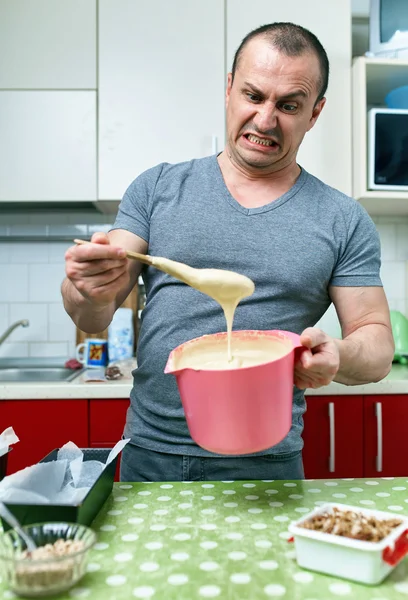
(257, 140)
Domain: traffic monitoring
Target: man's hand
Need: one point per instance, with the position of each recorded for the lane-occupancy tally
(97, 270)
(318, 365)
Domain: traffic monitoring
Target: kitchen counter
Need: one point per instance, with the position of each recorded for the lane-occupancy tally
(197, 540)
(395, 383)
(57, 391)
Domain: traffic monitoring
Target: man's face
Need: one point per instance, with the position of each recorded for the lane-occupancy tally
(270, 106)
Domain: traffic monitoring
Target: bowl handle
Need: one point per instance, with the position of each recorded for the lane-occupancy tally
(392, 556)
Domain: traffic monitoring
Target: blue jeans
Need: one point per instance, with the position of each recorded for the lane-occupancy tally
(139, 464)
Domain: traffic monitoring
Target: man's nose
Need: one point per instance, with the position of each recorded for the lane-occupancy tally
(267, 117)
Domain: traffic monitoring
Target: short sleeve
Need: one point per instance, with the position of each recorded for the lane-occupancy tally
(360, 259)
(135, 207)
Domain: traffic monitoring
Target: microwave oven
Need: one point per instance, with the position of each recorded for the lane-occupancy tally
(388, 149)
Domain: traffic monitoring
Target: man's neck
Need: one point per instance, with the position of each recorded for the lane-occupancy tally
(252, 189)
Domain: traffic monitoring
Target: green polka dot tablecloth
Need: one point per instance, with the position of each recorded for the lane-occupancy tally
(227, 540)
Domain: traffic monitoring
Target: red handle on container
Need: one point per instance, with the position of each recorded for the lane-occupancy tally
(392, 556)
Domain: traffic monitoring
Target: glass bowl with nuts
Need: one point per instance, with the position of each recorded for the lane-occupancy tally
(57, 564)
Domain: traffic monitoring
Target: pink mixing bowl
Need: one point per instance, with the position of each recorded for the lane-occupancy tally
(242, 410)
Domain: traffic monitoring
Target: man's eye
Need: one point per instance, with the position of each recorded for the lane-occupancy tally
(254, 97)
(289, 107)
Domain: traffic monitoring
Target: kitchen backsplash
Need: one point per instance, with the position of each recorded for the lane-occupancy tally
(394, 272)
(31, 274)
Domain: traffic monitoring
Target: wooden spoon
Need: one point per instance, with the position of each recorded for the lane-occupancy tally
(223, 286)
(144, 258)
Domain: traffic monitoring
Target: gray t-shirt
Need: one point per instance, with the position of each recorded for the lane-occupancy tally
(293, 249)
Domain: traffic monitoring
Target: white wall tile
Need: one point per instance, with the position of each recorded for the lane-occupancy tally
(49, 349)
(13, 350)
(72, 348)
(56, 251)
(13, 283)
(60, 325)
(329, 323)
(402, 241)
(4, 317)
(14, 218)
(406, 289)
(88, 218)
(388, 237)
(397, 305)
(5, 249)
(104, 227)
(384, 219)
(37, 314)
(40, 218)
(72, 230)
(28, 252)
(45, 282)
(27, 229)
(393, 278)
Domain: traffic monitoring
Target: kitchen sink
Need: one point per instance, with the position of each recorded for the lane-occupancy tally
(35, 370)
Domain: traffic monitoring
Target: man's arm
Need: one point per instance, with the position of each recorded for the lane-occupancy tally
(367, 348)
(100, 277)
(365, 353)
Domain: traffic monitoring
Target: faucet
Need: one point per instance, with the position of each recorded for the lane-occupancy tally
(23, 323)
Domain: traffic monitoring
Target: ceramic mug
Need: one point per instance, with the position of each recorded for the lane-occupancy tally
(93, 353)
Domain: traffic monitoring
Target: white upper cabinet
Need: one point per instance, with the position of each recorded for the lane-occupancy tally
(326, 149)
(48, 44)
(161, 86)
(47, 146)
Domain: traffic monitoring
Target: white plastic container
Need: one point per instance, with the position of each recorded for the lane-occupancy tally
(365, 562)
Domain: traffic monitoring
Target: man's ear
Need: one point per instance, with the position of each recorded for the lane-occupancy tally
(228, 90)
(316, 112)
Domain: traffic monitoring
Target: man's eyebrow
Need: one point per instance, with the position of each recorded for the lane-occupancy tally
(295, 94)
(253, 88)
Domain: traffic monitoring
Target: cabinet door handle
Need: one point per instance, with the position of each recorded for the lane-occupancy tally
(214, 144)
(332, 438)
(379, 458)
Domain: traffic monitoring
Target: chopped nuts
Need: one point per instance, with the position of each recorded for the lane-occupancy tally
(48, 573)
(350, 524)
(59, 548)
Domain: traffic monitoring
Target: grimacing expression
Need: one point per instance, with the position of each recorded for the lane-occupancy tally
(271, 104)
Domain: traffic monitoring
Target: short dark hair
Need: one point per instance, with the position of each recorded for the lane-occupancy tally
(292, 40)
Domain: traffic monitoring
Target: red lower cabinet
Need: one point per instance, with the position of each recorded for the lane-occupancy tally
(386, 435)
(344, 436)
(106, 423)
(42, 426)
(333, 437)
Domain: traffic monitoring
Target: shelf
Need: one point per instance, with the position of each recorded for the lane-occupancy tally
(385, 203)
(372, 79)
(382, 76)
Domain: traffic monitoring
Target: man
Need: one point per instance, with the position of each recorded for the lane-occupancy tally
(254, 210)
